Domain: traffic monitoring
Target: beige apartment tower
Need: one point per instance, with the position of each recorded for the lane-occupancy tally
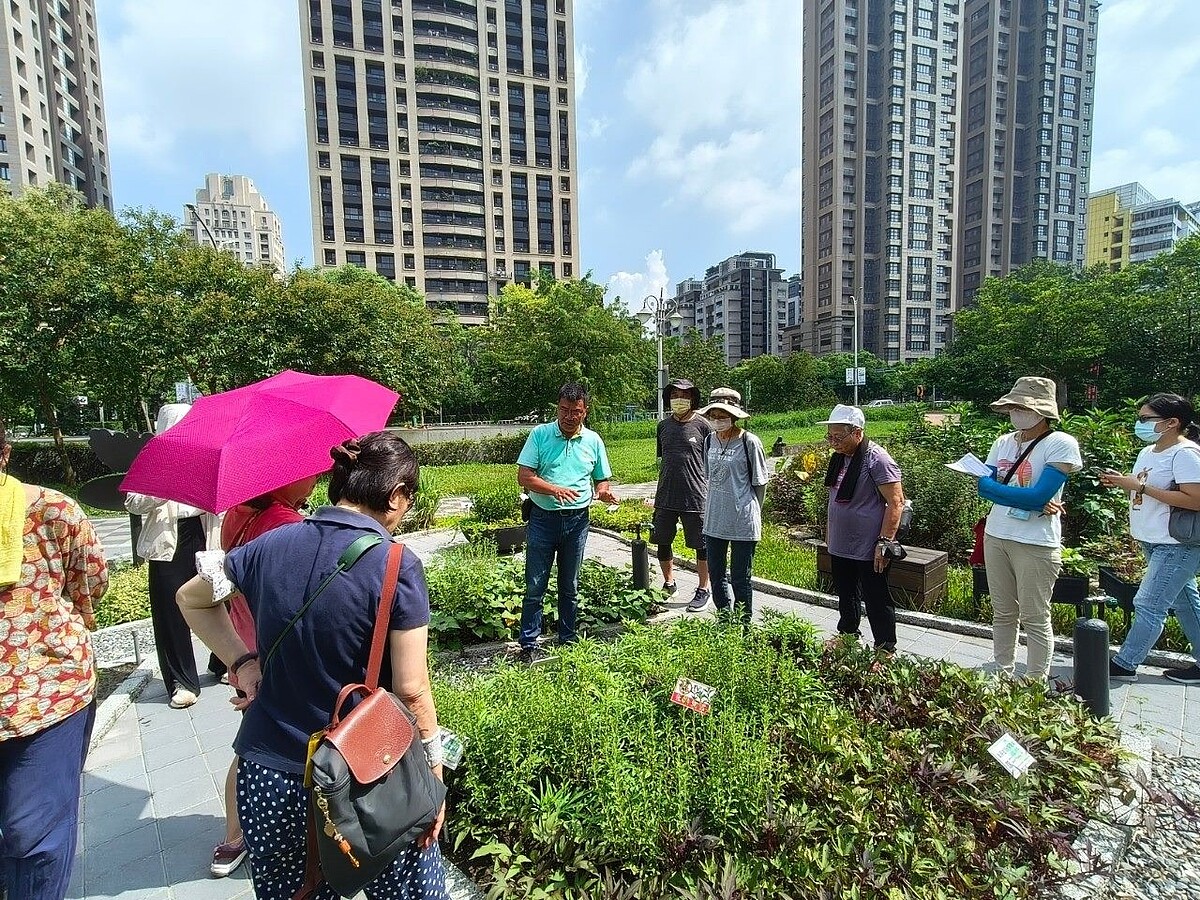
(944, 141)
(435, 159)
(51, 104)
(231, 215)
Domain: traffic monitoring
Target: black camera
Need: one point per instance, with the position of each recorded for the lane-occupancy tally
(892, 550)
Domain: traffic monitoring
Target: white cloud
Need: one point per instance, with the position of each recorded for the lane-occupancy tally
(582, 51)
(719, 85)
(631, 288)
(597, 126)
(201, 77)
(1148, 60)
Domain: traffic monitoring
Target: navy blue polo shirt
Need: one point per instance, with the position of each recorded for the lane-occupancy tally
(328, 647)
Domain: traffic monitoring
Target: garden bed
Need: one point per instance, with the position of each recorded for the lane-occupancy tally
(820, 772)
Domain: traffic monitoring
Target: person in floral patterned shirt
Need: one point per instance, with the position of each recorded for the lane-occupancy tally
(52, 570)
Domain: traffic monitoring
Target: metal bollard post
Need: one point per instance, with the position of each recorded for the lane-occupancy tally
(641, 561)
(1091, 659)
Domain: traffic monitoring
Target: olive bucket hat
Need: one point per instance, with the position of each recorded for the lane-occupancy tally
(1033, 393)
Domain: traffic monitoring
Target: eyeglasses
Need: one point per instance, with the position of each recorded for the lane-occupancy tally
(571, 413)
(1150, 418)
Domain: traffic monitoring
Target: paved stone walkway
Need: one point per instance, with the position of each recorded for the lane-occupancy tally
(152, 807)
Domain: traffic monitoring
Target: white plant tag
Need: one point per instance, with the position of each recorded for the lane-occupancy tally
(1011, 755)
(694, 695)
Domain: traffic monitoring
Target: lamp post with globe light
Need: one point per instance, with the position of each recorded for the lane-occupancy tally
(661, 312)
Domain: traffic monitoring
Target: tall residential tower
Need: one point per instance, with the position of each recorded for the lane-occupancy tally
(943, 141)
(51, 105)
(232, 215)
(434, 158)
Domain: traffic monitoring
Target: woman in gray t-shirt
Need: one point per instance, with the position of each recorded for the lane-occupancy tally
(737, 478)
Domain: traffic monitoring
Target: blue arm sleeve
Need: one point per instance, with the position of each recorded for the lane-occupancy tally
(1031, 498)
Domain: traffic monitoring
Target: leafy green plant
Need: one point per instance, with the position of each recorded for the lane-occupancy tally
(583, 780)
(127, 598)
(499, 504)
(1095, 510)
(423, 513)
(1074, 563)
(476, 596)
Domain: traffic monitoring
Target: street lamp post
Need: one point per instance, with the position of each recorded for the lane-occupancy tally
(660, 312)
(854, 301)
(196, 213)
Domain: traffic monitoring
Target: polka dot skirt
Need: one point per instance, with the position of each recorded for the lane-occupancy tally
(272, 806)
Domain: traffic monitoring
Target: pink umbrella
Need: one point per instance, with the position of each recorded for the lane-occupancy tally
(235, 446)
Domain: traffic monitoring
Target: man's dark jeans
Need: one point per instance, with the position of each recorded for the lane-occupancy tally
(550, 533)
(741, 561)
(856, 580)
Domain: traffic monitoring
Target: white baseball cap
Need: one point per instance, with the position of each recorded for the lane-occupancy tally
(846, 415)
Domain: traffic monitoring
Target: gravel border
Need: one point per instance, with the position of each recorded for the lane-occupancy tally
(119, 700)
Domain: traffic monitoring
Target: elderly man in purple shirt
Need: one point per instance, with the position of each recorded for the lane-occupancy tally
(865, 503)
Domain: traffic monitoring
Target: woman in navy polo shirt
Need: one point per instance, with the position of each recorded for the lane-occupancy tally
(372, 486)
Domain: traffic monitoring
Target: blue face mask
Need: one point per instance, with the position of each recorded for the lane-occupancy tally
(1146, 431)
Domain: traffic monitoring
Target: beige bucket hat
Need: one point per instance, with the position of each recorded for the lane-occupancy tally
(1033, 393)
(726, 399)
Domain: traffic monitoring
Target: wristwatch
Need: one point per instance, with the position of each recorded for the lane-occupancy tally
(1141, 488)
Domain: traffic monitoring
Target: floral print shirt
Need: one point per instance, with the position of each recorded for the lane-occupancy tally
(46, 667)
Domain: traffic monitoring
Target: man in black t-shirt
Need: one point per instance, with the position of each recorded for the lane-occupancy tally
(682, 484)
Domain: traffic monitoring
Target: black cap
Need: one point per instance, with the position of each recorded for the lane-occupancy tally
(682, 384)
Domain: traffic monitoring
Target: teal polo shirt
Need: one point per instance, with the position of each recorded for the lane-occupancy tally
(572, 463)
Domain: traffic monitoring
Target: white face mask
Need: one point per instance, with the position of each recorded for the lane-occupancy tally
(1023, 419)
(722, 424)
(680, 406)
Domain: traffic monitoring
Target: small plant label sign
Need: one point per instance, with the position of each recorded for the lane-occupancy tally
(694, 695)
(452, 749)
(1011, 755)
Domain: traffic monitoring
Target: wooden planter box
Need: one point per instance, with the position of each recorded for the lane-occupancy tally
(916, 582)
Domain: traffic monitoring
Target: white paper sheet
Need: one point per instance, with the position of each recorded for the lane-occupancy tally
(970, 464)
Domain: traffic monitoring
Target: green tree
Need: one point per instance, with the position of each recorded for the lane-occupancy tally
(698, 359)
(58, 261)
(562, 331)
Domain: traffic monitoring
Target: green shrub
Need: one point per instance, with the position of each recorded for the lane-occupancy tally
(817, 774)
(504, 448)
(625, 518)
(946, 504)
(476, 597)
(40, 463)
(1095, 511)
(128, 596)
(498, 504)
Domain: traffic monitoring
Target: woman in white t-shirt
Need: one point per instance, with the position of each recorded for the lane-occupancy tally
(1022, 541)
(1165, 476)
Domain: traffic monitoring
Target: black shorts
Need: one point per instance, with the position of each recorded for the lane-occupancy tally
(665, 523)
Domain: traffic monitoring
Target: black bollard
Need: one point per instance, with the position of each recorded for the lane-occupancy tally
(1091, 661)
(641, 562)
(135, 532)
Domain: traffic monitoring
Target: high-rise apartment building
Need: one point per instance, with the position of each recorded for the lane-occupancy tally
(1128, 224)
(943, 141)
(51, 104)
(434, 158)
(233, 216)
(742, 299)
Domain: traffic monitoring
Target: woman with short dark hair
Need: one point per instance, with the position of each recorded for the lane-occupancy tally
(52, 571)
(291, 694)
(1166, 476)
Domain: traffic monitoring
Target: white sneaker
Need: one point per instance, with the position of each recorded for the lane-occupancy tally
(182, 699)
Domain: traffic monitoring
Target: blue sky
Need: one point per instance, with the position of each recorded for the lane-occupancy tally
(688, 119)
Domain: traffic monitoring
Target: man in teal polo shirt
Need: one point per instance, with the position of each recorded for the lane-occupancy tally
(558, 466)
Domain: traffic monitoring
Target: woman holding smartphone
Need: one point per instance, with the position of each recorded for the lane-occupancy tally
(1166, 476)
